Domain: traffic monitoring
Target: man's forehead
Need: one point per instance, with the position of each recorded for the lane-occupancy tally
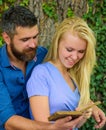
(27, 31)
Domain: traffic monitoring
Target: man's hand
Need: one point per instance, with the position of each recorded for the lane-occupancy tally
(66, 123)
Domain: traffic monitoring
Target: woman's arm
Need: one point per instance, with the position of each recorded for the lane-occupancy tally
(40, 108)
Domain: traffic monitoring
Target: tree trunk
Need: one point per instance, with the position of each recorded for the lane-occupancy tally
(47, 24)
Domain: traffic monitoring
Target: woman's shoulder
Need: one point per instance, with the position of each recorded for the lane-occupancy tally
(41, 67)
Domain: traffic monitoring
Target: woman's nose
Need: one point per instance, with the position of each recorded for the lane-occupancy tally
(75, 55)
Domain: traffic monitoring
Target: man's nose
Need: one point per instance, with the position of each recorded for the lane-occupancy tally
(33, 43)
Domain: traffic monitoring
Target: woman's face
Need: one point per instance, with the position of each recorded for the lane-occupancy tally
(71, 49)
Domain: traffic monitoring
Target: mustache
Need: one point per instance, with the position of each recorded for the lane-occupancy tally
(30, 49)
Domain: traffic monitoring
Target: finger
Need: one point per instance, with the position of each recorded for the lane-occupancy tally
(87, 115)
(96, 116)
(75, 122)
(101, 123)
(64, 120)
(88, 111)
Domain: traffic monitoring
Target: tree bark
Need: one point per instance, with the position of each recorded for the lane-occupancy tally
(46, 24)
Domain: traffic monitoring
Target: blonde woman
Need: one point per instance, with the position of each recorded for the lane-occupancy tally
(62, 82)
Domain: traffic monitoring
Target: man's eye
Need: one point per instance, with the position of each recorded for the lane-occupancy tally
(35, 37)
(24, 40)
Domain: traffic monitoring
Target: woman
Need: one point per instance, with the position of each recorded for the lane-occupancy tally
(62, 82)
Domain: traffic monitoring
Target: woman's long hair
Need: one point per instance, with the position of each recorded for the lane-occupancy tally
(81, 72)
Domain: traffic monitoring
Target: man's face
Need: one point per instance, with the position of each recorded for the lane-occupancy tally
(24, 43)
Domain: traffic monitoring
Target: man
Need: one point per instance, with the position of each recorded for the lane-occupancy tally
(17, 58)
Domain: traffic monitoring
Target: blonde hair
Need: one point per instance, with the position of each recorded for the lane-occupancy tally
(80, 72)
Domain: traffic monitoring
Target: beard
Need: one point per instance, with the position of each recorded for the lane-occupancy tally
(25, 55)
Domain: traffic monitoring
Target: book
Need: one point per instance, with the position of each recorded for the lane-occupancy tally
(74, 114)
(62, 114)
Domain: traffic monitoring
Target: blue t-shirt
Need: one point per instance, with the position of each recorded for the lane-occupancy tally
(46, 80)
(13, 95)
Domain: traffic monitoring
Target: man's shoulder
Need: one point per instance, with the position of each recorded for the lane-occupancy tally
(41, 49)
(4, 60)
(1, 48)
(2, 52)
(41, 52)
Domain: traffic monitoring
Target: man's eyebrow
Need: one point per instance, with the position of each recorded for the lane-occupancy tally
(29, 37)
(36, 35)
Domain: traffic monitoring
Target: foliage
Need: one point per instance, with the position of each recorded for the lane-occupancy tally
(5, 4)
(97, 21)
(1, 41)
(50, 9)
(70, 12)
(1, 2)
(24, 2)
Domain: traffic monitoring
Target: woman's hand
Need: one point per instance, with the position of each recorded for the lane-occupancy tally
(86, 115)
(99, 117)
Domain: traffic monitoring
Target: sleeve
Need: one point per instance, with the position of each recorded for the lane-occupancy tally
(6, 107)
(37, 83)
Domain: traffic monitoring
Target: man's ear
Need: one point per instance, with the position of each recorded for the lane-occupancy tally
(6, 38)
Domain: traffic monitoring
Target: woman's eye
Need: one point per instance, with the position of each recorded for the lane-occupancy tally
(82, 51)
(69, 50)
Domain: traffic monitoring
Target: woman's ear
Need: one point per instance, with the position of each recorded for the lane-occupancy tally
(6, 38)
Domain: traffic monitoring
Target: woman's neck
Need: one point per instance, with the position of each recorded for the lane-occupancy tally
(60, 66)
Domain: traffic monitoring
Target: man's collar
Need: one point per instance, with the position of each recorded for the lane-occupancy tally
(5, 59)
